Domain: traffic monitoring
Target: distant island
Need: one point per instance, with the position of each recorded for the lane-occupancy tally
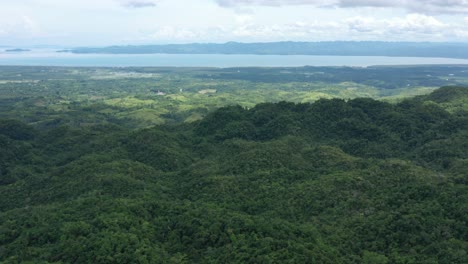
(330, 48)
(17, 50)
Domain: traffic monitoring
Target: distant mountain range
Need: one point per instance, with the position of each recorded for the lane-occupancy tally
(17, 50)
(337, 48)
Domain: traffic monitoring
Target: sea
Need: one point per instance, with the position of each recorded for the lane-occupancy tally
(53, 58)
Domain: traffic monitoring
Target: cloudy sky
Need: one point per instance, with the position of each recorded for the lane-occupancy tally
(109, 22)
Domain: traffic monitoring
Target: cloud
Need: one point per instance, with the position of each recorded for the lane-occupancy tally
(231, 3)
(363, 24)
(297, 31)
(416, 23)
(460, 33)
(244, 19)
(138, 3)
(168, 33)
(374, 3)
(23, 26)
(412, 27)
(415, 6)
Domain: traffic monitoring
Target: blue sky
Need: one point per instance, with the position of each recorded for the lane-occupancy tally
(109, 22)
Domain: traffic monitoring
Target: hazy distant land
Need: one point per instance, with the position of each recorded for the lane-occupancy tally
(332, 48)
(17, 50)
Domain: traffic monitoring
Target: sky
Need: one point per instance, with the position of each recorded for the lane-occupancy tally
(71, 23)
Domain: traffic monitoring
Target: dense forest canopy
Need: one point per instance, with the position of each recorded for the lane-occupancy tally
(333, 181)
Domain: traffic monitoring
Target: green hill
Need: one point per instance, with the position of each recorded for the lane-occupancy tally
(453, 99)
(335, 181)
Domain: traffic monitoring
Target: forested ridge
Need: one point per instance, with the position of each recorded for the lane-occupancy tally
(334, 181)
(331, 48)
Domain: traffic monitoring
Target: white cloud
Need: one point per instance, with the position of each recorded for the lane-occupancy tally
(415, 27)
(167, 33)
(412, 27)
(363, 24)
(460, 33)
(85, 4)
(23, 26)
(416, 6)
(244, 19)
(410, 24)
(229, 3)
(415, 23)
(108, 22)
(138, 3)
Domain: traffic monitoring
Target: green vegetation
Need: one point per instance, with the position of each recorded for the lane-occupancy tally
(95, 167)
(54, 96)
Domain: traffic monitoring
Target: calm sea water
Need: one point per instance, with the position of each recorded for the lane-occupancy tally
(51, 58)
